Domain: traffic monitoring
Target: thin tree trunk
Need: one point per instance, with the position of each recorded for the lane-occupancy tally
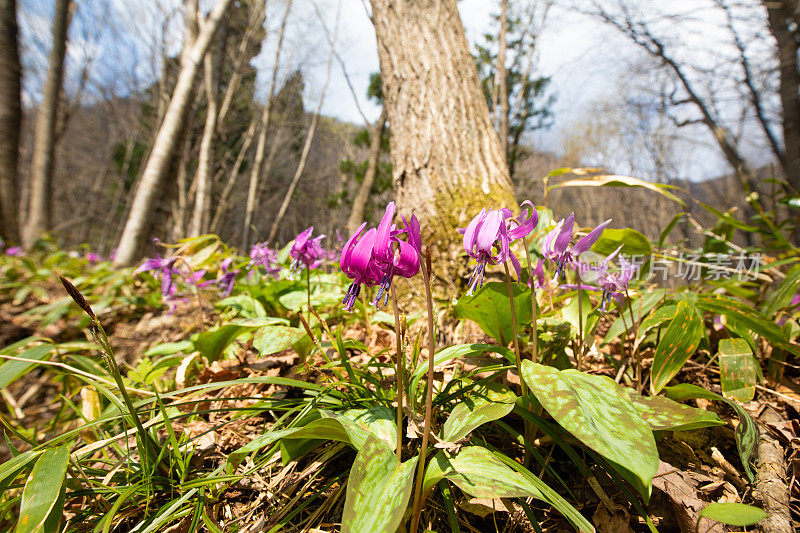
(362, 196)
(181, 205)
(501, 81)
(39, 220)
(261, 147)
(206, 160)
(155, 171)
(780, 19)
(10, 121)
(446, 157)
(312, 129)
(222, 205)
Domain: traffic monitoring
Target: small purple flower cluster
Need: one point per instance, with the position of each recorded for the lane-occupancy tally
(306, 251)
(377, 255)
(261, 255)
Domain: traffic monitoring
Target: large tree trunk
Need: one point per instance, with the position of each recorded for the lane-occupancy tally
(10, 121)
(446, 157)
(501, 81)
(362, 196)
(45, 134)
(780, 19)
(168, 137)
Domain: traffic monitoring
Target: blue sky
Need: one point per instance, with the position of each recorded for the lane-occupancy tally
(588, 63)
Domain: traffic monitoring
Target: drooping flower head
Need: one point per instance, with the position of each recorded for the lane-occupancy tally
(393, 256)
(265, 257)
(488, 236)
(357, 262)
(166, 269)
(614, 284)
(306, 251)
(556, 246)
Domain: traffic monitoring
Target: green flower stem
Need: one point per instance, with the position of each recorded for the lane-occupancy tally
(534, 304)
(417, 509)
(514, 327)
(400, 380)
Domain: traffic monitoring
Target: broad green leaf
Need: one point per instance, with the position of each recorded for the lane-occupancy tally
(213, 342)
(484, 404)
(751, 318)
(43, 495)
(12, 370)
(570, 314)
(746, 432)
(297, 300)
(490, 308)
(600, 414)
(782, 296)
(332, 426)
(664, 414)
(633, 242)
(380, 421)
(641, 307)
(737, 368)
(621, 181)
(273, 339)
(478, 472)
(658, 317)
(458, 350)
(378, 490)
(678, 342)
(733, 514)
(244, 304)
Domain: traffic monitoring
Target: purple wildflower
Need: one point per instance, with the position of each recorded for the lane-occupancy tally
(306, 251)
(15, 251)
(263, 256)
(488, 236)
(163, 268)
(93, 257)
(556, 244)
(395, 257)
(226, 276)
(357, 262)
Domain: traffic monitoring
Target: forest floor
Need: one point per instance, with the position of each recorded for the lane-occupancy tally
(697, 466)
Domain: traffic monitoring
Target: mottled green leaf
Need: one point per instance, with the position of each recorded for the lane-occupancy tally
(664, 414)
(332, 426)
(244, 305)
(738, 369)
(380, 421)
(678, 343)
(746, 432)
(479, 473)
(656, 318)
(749, 317)
(213, 342)
(43, 495)
(484, 404)
(378, 490)
(599, 413)
(733, 514)
(273, 339)
(490, 308)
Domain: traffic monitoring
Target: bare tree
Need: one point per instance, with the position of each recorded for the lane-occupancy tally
(45, 136)
(10, 120)
(446, 157)
(362, 196)
(167, 139)
(501, 98)
(261, 146)
(309, 139)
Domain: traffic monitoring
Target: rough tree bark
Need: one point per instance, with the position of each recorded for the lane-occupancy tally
(362, 196)
(167, 140)
(781, 19)
(446, 157)
(261, 146)
(10, 121)
(45, 133)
